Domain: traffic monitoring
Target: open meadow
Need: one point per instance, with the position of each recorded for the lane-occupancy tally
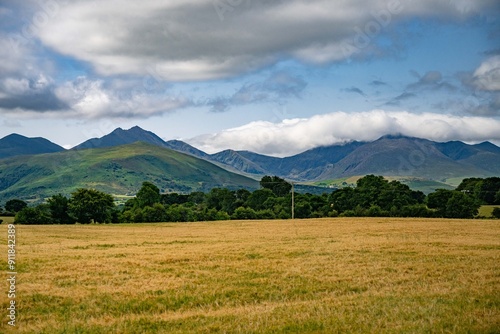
(341, 275)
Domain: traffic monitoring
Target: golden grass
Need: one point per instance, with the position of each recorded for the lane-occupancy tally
(304, 276)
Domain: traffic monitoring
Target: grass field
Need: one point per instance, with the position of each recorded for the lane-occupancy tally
(7, 220)
(487, 210)
(345, 275)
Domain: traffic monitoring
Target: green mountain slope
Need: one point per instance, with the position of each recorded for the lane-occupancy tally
(116, 170)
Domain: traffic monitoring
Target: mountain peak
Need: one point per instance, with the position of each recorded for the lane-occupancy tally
(396, 136)
(488, 147)
(14, 136)
(122, 137)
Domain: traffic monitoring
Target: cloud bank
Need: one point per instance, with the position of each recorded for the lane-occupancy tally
(189, 40)
(293, 136)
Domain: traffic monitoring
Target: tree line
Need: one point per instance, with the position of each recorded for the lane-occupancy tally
(373, 196)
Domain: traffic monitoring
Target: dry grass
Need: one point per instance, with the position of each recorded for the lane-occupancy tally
(303, 276)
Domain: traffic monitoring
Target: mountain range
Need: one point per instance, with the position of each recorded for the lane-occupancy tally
(391, 155)
(120, 161)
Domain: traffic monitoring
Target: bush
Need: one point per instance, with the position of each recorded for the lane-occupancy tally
(283, 214)
(244, 213)
(39, 215)
(416, 210)
(265, 214)
(177, 213)
(155, 213)
(348, 213)
(496, 213)
(222, 215)
(376, 211)
(333, 213)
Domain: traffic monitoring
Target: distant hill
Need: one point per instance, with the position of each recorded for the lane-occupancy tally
(115, 170)
(392, 155)
(14, 144)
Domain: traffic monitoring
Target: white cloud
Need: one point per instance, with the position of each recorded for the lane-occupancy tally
(92, 99)
(184, 40)
(85, 98)
(487, 75)
(297, 135)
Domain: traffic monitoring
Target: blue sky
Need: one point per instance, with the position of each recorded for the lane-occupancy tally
(270, 76)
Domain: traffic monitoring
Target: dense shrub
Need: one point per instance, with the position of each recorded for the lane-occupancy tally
(39, 215)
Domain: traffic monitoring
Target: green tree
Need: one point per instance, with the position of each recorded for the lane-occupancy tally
(137, 216)
(302, 209)
(90, 205)
(213, 214)
(178, 213)
(484, 190)
(438, 200)
(197, 197)
(174, 198)
(319, 205)
(244, 213)
(343, 199)
(415, 210)
(155, 213)
(470, 186)
(265, 214)
(15, 205)
(376, 211)
(488, 190)
(496, 212)
(148, 195)
(59, 207)
(398, 195)
(368, 190)
(280, 187)
(258, 198)
(461, 206)
(39, 215)
(221, 199)
(242, 196)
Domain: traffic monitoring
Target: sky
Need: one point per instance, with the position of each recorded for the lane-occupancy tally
(271, 76)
